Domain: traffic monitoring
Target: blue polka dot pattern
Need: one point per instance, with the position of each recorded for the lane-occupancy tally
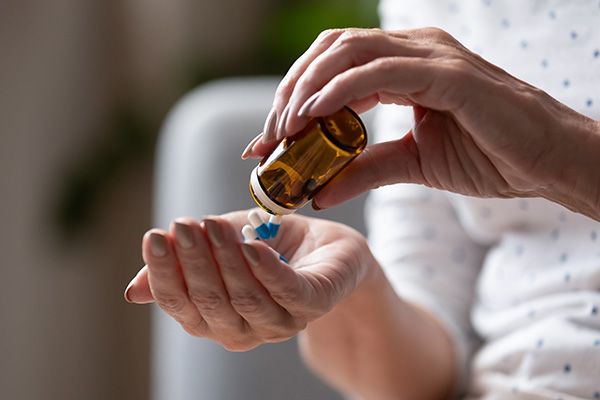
(562, 216)
(459, 255)
(550, 55)
(523, 204)
(485, 212)
(519, 250)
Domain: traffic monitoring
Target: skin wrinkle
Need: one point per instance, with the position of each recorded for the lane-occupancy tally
(376, 170)
(454, 70)
(464, 159)
(485, 160)
(485, 133)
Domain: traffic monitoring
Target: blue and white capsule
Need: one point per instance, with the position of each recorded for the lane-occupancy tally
(259, 225)
(249, 233)
(282, 258)
(274, 224)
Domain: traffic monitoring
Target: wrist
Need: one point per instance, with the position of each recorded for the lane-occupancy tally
(373, 284)
(575, 166)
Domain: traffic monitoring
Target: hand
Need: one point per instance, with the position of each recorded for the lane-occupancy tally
(241, 295)
(478, 130)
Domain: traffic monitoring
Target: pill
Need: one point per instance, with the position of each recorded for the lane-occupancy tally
(257, 223)
(249, 233)
(282, 258)
(274, 224)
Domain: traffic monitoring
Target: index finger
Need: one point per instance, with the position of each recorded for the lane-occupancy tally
(287, 84)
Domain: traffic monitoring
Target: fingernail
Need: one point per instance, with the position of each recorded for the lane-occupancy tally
(269, 128)
(214, 232)
(305, 109)
(315, 206)
(126, 294)
(158, 245)
(248, 150)
(184, 235)
(280, 134)
(251, 254)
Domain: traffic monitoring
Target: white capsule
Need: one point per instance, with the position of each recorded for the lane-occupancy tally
(274, 223)
(249, 233)
(259, 224)
(275, 219)
(255, 218)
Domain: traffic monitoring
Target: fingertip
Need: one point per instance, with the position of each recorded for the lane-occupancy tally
(138, 290)
(248, 150)
(315, 206)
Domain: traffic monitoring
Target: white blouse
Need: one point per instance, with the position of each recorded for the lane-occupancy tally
(515, 281)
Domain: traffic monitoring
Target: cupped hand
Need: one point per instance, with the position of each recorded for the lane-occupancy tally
(241, 294)
(478, 130)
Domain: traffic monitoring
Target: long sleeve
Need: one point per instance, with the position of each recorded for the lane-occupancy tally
(426, 255)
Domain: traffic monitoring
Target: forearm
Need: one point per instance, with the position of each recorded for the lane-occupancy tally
(375, 346)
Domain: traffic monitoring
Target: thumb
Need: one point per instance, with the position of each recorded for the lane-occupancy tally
(138, 290)
(378, 165)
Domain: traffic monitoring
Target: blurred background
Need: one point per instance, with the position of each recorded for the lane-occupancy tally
(85, 86)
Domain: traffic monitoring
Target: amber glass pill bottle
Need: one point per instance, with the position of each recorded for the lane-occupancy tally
(300, 165)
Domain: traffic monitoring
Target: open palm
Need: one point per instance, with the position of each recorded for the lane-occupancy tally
(241, 294)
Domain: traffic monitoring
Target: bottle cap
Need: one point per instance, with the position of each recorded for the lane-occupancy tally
(263, 200)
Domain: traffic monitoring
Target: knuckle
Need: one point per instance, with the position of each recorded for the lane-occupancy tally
(286, 296)
(171, 304)
(458, 69)
(300, 325)
(285, 87)
(245, 302)
(350, 38)
(329, 33)
(309, 80)
(195, 262)
(385, 65)
(206, 302)
(196, 328)
(438, 34)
